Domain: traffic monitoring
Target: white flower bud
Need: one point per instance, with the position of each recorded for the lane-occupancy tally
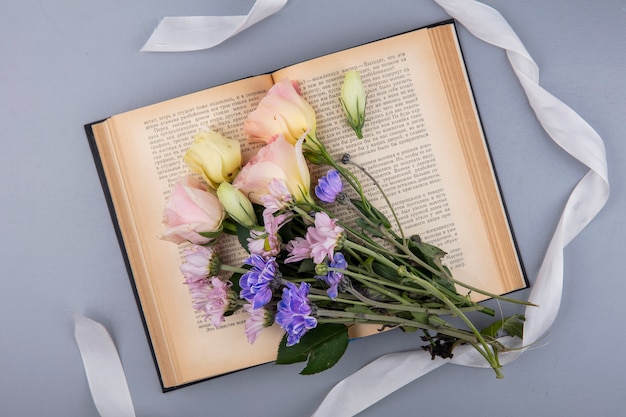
(353, 99)
(236, 204)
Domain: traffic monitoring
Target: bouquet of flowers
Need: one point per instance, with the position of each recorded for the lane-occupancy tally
(309, 271)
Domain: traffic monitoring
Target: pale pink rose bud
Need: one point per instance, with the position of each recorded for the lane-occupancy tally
(283, 111)
(278, 160)
(192, 213)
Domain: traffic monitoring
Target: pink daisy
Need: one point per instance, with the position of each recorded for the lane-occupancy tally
(259, 319)
(323, 238)
(278, 197)
(211, 298)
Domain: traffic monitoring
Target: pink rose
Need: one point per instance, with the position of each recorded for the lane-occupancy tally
(191, 210)
(283, 111)
(277, 160)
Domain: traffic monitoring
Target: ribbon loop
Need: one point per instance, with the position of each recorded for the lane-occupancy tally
(193, 33)
(105, 374)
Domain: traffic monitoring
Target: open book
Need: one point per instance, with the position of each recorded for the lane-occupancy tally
(422, 140)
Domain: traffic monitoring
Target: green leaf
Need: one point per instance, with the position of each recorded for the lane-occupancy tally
(359, 309)
(387, 272)
(363, 224)
(234, 279)
(243, 233)
(211, 235)
(307, 265)
(314, 157)
(512, 326)
(379, 214)
(421, 317)
(372, 213)
(323, 346)
(425, 250)
(229, 227)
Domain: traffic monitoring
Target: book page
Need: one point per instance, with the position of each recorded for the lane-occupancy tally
(142, 154)
(411, 145)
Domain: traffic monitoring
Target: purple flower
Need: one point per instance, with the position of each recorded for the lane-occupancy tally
(329, 186)
(333, 278)
(256, 283)
(294, 312)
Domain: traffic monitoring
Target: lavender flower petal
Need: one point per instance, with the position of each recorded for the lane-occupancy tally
(256, 283)
(329, 186)
(294, 312)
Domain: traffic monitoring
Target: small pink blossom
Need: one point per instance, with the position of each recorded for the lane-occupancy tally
(211, 298)
(299, 249)
(199, 263)
(191, 210)
(324, 237)
(278, 197)
(267, 242)
(259, 319)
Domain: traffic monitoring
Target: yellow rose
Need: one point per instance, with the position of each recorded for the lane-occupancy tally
(216, 158)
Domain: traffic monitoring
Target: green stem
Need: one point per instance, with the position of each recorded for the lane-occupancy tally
(483, 292)
(486, 350)
(382, 192)
(410, 254)
(325, 297)
(447, 294)
(235, 269)
(303, 213)
(376, 255)
(356, 273)
(366, 239)
(352, 180)
(379, 288)
(407, 306)
(373, 318)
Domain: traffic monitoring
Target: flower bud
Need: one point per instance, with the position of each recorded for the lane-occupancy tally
(278, 160)
(353, 100)
(215, 157)
(321, 269)
(192, 213)
(283, 111)
(236, 204)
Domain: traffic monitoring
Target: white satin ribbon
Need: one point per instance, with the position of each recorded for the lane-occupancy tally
(391, 372)
(576, 137)
(105, 374)
(192, 33)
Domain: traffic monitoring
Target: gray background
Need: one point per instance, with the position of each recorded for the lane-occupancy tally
(66, 63)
